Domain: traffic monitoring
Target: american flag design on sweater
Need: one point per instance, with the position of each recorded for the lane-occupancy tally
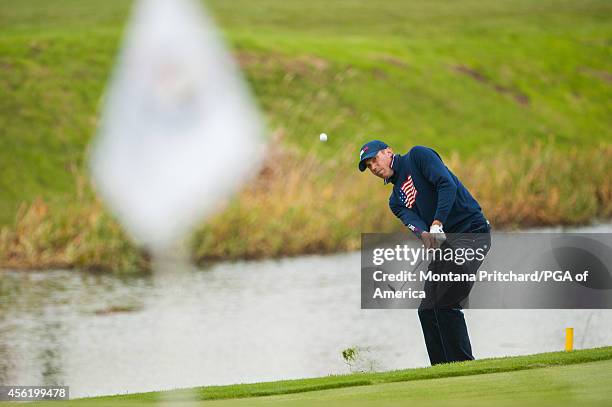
(408, 192)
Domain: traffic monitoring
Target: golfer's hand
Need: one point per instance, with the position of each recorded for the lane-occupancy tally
(435, 237)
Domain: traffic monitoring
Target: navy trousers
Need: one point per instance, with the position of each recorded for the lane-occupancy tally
(442, 320)
(446, 335)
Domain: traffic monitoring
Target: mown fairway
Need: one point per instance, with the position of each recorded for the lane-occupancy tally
(585, 384)
(514, 94)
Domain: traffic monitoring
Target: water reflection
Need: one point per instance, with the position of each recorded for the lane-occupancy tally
(49, 357)
(38, 311)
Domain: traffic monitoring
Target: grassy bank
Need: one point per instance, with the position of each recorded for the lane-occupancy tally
(280, 214)
(513, 94)
(581, 377)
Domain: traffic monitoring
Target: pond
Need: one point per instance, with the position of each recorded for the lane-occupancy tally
(235, 323)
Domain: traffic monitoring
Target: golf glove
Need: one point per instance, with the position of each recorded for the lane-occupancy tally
(438, 233)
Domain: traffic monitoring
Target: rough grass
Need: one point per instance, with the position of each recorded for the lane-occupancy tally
(548, 378)
(280, 214)
(514, 94)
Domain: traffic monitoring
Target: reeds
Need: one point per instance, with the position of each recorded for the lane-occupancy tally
(300, 204)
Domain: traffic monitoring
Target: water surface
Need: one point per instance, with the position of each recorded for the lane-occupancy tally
(234, 323)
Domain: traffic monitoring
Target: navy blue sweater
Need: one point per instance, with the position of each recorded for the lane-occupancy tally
(424, 189)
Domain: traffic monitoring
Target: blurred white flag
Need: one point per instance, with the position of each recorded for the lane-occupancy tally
(179, 131)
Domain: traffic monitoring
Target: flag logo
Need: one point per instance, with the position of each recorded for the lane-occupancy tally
(408, 192)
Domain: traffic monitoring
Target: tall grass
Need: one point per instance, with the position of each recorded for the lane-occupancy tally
(540, 186)
(81, 235)
(290, 211)
(307, 205)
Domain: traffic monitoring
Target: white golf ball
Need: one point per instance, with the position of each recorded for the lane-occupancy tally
(323, 137)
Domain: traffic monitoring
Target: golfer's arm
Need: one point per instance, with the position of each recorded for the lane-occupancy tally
(434, 170)
(410, 219)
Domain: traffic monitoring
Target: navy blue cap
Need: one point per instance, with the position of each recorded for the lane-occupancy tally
(369, 150)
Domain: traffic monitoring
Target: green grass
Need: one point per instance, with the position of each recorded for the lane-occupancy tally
(486, 82)
(581, 377)
(585, 384)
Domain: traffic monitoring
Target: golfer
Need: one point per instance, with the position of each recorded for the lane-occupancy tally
(431, 201)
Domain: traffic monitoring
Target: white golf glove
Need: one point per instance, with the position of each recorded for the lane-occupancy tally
(437, 232)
